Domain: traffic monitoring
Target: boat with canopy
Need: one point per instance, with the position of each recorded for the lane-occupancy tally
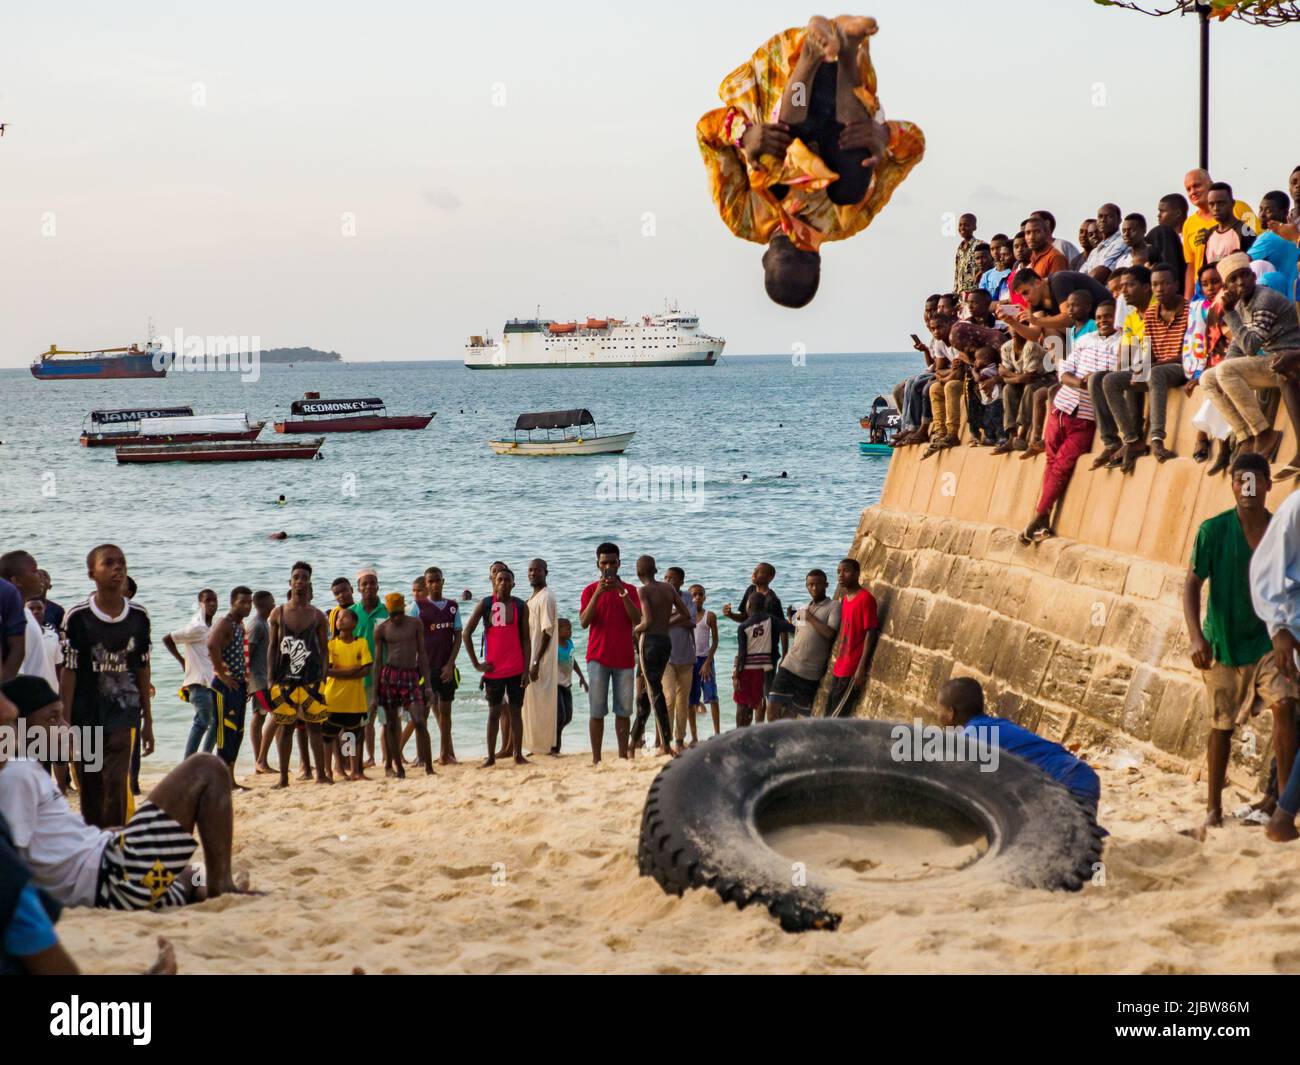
(573, 438)
(164, 425)
(315, 415)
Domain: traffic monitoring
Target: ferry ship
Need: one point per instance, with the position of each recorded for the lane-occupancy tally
(669, 339)
(103, 364)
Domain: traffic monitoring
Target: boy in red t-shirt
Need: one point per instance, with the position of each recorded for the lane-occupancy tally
(859, 629)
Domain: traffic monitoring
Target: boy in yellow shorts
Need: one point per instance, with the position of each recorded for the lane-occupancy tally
(299, 639)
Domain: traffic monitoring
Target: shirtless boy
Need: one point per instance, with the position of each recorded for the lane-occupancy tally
(661, 608)
(401, 666)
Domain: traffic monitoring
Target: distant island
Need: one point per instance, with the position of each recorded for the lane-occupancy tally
(279, 355)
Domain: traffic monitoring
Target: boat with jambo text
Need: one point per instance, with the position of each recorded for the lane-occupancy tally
(164, 425)
(669, 339)
(315, 415)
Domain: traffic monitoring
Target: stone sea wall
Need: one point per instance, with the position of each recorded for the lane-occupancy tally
(1080, 638)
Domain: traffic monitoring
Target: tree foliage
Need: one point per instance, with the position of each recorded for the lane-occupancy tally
(1258, 12)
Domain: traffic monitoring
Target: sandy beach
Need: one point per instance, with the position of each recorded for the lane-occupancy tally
(533, 869)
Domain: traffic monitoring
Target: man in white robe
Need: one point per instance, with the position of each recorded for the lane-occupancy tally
(540, 697)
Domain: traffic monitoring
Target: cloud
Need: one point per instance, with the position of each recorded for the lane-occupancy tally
(988, 194)
(443, 199)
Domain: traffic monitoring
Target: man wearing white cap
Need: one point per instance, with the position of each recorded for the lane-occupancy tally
(1265, 353)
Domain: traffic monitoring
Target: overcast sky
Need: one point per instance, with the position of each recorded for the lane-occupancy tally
(195, 162)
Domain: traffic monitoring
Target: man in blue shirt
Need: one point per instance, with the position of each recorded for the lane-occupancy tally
(13, 631)
(994, 278)
(961, 704)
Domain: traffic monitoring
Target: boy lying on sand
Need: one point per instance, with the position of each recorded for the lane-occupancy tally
(961, 703)
(142, 866)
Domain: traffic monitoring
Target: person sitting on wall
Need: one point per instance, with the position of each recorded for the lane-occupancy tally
(1265, 354)
(1071, 425)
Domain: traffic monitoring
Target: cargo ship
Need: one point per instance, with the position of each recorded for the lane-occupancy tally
(102, 365)
(669, 339)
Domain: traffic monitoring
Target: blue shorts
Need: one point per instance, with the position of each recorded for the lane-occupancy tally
(703, 691)
(599, 678)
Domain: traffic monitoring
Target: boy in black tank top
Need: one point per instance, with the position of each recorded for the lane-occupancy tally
(297, 665)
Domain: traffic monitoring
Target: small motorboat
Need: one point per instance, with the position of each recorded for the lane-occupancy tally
(235, 451)
(173, 425)
(315, 415)
(881, 424)
(580, 442)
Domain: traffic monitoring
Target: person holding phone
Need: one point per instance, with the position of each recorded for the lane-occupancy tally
(611, 610)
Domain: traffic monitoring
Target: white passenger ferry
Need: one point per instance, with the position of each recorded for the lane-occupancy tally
(668, 339)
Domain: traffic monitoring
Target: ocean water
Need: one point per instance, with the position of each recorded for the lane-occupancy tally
(401, 501)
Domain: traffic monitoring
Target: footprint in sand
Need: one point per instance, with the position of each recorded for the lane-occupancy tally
(460, 873)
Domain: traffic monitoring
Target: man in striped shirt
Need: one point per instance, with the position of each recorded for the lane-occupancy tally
(1157, 365)
(1072, 422)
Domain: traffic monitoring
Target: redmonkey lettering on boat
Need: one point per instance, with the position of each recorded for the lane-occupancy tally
(919, 742)
(120, 1019)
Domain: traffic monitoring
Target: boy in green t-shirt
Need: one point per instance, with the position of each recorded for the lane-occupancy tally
(1234, 651)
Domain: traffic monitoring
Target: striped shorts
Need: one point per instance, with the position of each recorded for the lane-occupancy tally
(140, 865)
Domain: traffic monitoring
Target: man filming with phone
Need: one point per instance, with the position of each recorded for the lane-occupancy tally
(611, 610)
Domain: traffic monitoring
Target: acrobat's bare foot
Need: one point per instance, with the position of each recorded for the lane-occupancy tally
(282, 783)
(165, 964)
(305, 774)
(854, 29)
(262, 767)
(358, 971)
(823, 37)
(521, 760)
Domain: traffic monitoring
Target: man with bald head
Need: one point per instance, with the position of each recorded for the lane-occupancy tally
(661, 608)
(1107, 254)
(1201, 223)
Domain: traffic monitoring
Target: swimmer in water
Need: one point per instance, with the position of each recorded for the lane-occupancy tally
(282, 535)
(281, 501)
